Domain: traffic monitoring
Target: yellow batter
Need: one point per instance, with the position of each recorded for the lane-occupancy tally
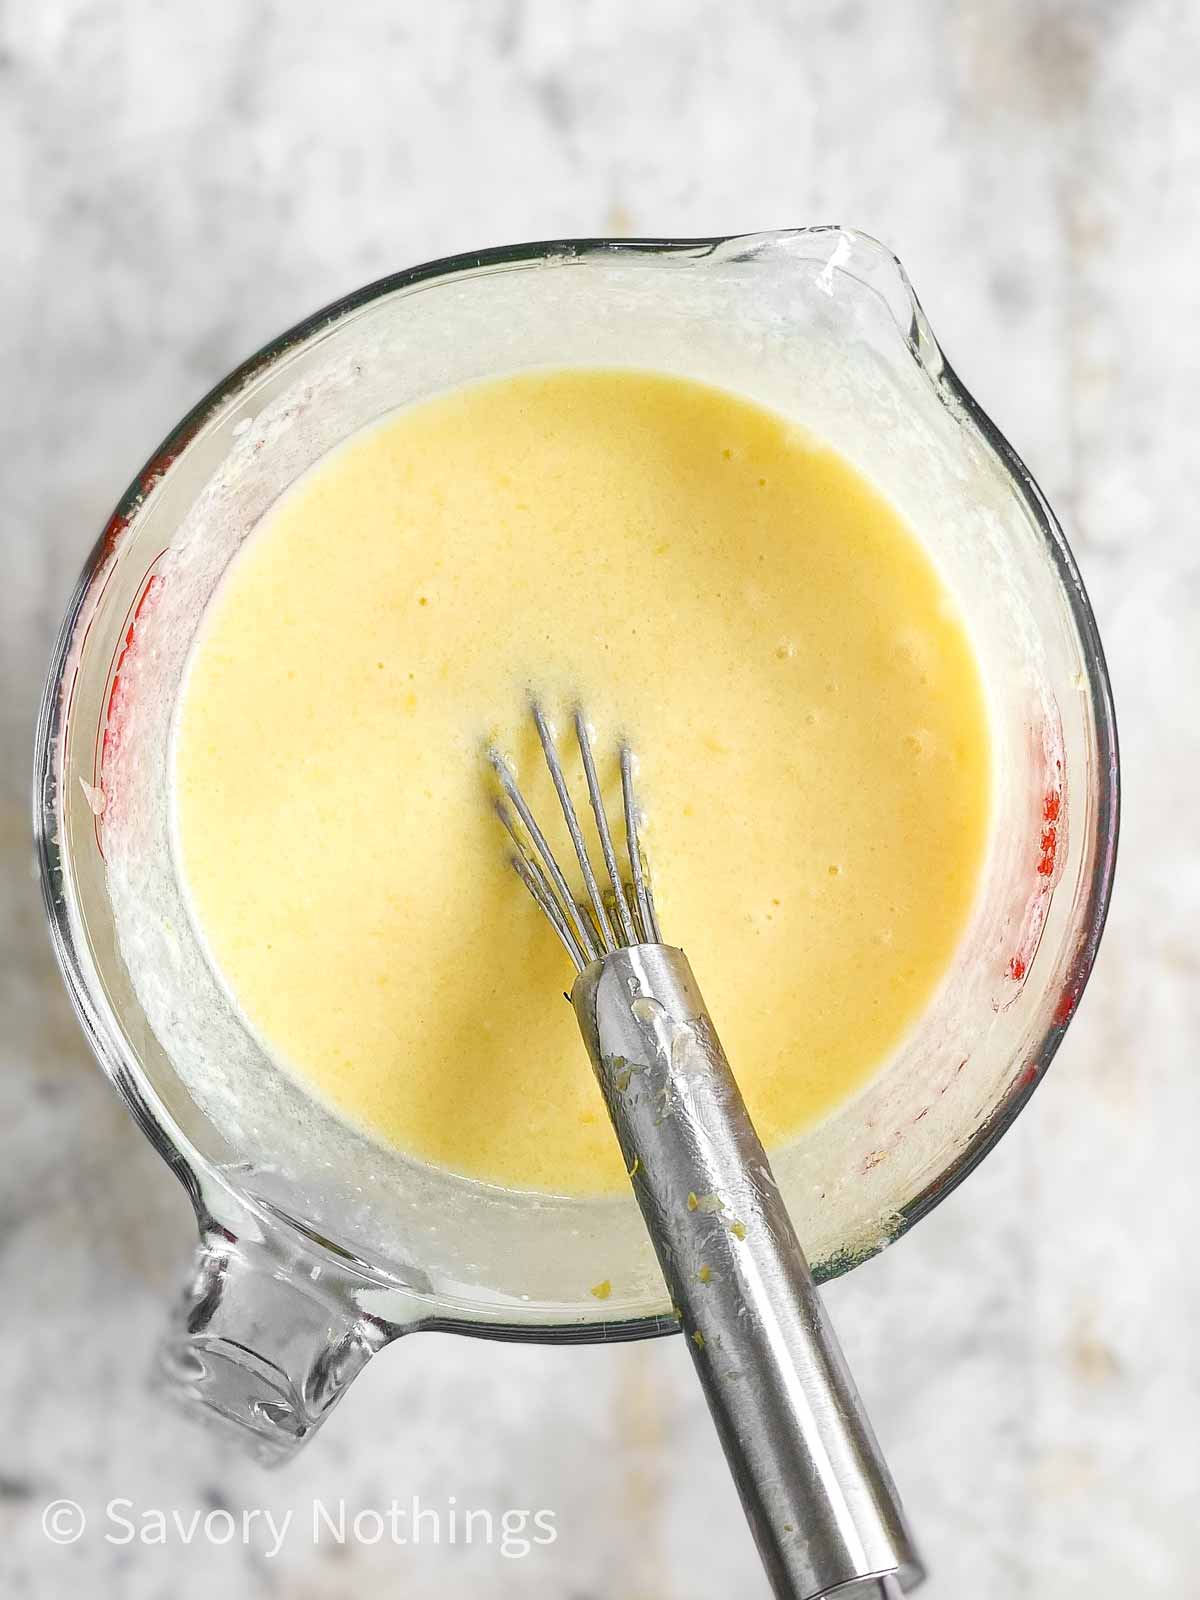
(813, 742)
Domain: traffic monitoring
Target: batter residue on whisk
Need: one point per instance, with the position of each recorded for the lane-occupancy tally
(806, 706)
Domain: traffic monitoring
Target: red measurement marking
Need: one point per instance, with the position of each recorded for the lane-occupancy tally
(1065, 1009)
(111, 731)
(1016, 968)
(156, 469)
(1049, 846)
(1051, 807)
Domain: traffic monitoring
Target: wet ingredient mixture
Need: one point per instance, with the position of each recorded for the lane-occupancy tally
(806, 705)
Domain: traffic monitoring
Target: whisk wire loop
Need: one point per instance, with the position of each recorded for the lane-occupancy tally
(609, 919)
(606, 840)
(641, 883)
(582, 928)
(604, 926)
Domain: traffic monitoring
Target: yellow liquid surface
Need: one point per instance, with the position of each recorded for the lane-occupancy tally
(806, 707)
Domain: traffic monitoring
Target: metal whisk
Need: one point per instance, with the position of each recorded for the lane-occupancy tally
(815, 1488)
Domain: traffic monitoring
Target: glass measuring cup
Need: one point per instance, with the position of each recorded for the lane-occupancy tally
(318, 1247)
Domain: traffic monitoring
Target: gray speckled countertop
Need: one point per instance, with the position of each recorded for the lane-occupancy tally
(177, 183)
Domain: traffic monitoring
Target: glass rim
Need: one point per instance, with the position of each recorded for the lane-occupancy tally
(111, 1054)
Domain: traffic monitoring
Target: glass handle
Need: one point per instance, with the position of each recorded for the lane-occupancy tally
(263, 1344)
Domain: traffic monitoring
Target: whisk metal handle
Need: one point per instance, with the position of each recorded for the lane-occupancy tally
(816, 1491)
